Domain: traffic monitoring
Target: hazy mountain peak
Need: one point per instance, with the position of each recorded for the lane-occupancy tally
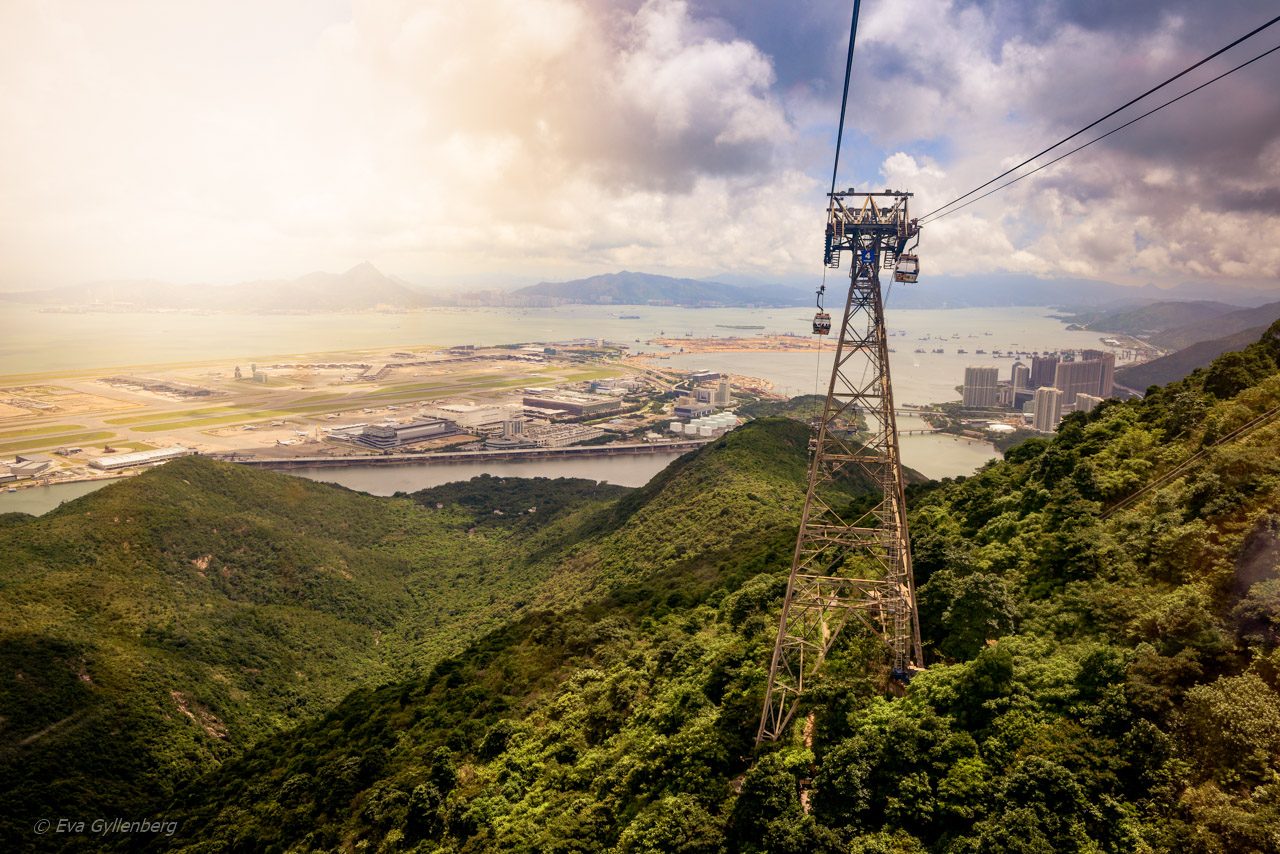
(627, 287)
(365, 268)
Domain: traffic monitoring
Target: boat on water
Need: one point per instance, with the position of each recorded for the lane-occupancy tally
(628, 317)
(736, 326)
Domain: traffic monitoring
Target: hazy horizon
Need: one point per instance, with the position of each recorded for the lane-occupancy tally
(1223, 291)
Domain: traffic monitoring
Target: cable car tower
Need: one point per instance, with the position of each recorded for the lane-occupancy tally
(852, 565)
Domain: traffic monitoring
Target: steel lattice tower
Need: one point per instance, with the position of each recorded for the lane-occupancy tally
(851, 564)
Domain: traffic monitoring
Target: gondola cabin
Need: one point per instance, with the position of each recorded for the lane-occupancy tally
(908, 268)
(821, 323)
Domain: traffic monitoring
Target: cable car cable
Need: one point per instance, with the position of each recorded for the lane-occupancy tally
(1105, 135)
(1093, 124)
(844, 99)
(835, 168)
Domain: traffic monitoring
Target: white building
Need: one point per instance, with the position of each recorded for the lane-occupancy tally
(111, 462)
(561, 435)
(1048, 409)
(1087, 402)
(724, 396)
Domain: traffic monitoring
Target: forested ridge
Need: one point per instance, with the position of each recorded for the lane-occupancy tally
(1097, 682)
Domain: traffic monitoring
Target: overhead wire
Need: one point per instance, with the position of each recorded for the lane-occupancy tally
(835, 166)
(1098, 121)
(844, 98)
(1103, 136)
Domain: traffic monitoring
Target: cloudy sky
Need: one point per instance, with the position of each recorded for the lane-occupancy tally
(515, 140)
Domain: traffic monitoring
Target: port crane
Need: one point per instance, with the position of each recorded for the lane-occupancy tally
(852, 565)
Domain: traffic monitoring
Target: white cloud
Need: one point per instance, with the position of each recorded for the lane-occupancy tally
(212, 140)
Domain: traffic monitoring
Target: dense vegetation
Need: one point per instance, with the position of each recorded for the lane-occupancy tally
(1098, 682)
(161, 624)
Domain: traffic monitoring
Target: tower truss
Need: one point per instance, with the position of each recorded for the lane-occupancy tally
(852, 564)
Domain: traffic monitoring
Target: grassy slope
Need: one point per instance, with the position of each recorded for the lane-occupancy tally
(163, 623)
(1097, 684)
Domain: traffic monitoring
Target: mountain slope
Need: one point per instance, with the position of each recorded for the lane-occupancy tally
(1220, 326)
(627, 288)
(1154, 318)
(1198, 344)
(1097, 684)
(163, 623)
(709, 523)
(1175, 366)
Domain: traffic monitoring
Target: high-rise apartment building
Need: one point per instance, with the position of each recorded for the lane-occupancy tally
(980, 386)
(1048, 409)
(1072, 378)
(1020, 377)
(1089, 376)
(1042, 370)
(1107, 384)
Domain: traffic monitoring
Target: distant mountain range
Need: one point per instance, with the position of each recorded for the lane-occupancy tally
(1228, 323)
(1197, 331)
(1153, 319)
(364, 287)
(985, 291)
(627, 288)
(1011, 289)
(1175, 366)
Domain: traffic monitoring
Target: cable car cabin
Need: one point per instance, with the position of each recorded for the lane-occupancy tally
(821, 323)
(908, 268)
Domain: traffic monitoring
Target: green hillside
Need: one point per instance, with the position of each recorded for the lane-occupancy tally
(1098, 683)
(654, 562)
(163, 623)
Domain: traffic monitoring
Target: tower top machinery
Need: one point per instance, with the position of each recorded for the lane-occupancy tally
(852, 565)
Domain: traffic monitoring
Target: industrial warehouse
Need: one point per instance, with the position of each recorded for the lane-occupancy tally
(564, 403)
(113, 462)
(385, 437)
